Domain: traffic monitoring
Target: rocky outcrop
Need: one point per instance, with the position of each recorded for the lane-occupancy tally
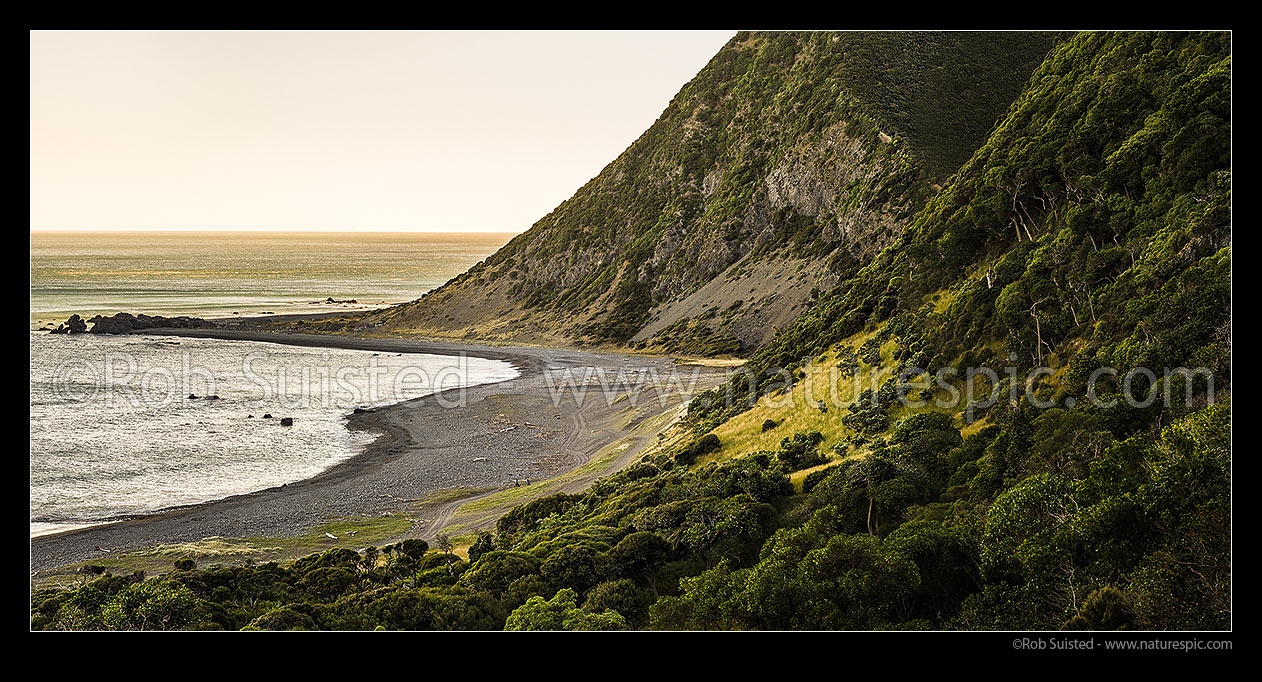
(74, 325)
(125, 323)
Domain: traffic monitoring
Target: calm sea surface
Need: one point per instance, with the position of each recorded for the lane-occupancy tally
(113, 430)
(216, 274)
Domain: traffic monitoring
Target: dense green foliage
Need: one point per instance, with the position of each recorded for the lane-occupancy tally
(1092, 229)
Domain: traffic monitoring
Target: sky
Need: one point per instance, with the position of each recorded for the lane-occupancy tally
(341, 130)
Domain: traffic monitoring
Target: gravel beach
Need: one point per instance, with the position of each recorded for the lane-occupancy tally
(502, 433)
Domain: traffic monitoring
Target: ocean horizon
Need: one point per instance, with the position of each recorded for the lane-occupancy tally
(225, 273)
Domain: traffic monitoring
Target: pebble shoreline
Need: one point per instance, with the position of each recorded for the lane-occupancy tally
(504, 432)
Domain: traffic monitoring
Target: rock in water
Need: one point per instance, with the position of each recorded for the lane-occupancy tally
(74, 325)
(123, 323)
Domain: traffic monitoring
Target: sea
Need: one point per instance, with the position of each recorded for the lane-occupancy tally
(127, 425)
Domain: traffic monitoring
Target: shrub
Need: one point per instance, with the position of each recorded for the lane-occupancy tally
(702, 446)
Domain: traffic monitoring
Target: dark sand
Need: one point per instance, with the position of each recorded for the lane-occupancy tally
(512, 430)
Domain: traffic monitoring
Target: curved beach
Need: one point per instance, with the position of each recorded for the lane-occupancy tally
(503, 434)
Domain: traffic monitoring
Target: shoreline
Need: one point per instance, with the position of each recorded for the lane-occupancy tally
(59, 528)
(69, 526)
(505, 432)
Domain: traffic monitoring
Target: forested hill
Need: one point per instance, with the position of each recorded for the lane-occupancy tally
(1090, 237)
(1092, 229)
(784, 166)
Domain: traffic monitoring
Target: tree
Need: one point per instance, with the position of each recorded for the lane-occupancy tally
(287, 617)
(413, 548)
(1105, 609)
(577, 565)
(562, 613)
(327, 582)
(698, 448)
(623, 596)
(801, 451)
(445, 544)
(484, 543)
(151, 605)
(497, 569)
(639, 555)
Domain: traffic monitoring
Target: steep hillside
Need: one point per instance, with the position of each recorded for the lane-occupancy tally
(1089, 240)
(786, 164)
(1093, 228)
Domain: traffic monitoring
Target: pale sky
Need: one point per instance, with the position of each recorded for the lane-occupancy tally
(423, 131)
